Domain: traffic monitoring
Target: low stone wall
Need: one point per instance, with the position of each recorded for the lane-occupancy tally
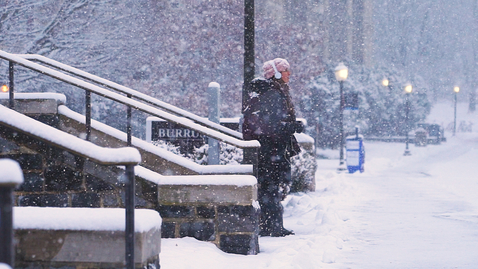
(83, 238)
(225, 213)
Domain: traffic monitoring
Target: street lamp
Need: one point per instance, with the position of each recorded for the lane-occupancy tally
(341, 74)
(4, 88)
(456, 89)
(386, 83)
(408, 91)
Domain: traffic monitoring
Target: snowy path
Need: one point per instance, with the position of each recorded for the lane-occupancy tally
(419, 213)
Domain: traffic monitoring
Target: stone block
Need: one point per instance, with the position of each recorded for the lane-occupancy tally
(88, 199)
(96, 184)
(247, 244)
(238, 219)
(175, 211)
(33, 182)
(54, 200)
(207, 194)
(61, 178)
(138, 200)
(48, 119)
(28, 161)
(34, 106)
(30, 200)
(7, 146)
(201, 230)
(206, 212)
(79, 238)
(110, 199)
(168, 229)
(83, 249)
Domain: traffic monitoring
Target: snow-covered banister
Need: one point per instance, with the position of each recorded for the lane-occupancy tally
(73, 144)
(232, 137)
(127, 156)
(151, 100)
(143, 145)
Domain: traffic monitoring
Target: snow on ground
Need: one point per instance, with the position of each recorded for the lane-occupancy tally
(418, 211)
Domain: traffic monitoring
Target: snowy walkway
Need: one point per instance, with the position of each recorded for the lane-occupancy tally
(420, 212)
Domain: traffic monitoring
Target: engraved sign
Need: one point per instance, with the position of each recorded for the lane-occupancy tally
(187, 139)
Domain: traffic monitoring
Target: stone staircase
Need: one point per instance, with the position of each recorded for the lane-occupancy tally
(192, 199)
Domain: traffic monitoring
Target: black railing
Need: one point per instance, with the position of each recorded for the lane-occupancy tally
(150, 105)
(7, 186)
(16, 122)
(132, 94)
(168, 112)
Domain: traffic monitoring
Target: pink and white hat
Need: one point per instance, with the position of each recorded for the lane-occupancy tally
(268, 69)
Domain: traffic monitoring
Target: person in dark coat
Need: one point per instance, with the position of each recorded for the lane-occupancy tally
(274, 129)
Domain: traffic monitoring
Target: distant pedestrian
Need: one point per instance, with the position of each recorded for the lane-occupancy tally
(269, 117)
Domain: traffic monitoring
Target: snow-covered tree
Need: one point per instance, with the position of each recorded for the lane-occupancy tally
(381, 110)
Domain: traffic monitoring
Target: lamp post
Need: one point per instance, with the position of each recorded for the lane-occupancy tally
(341, 74)
(408, 90)
(456, 89)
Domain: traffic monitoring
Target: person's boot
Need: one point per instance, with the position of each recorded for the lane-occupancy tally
(283, 232)
(277, 224)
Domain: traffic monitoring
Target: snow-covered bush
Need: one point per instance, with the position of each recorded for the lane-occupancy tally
(228, 154)
(303, 169)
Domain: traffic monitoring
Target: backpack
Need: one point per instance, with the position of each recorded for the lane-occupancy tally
(252, 122)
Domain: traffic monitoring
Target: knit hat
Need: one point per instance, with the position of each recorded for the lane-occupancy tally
(268, 69)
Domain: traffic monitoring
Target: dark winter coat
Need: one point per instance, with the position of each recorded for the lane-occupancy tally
(270, 118)
(273, 120)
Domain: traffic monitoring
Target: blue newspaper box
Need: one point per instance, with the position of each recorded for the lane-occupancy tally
(355, 153)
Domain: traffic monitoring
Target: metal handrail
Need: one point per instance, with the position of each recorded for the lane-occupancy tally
(84, 149)
(185, 119)
(138, 95)
(129, 101)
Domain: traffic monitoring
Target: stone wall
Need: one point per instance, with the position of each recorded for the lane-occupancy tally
(56, 178)
(226, 215)
(65, 238)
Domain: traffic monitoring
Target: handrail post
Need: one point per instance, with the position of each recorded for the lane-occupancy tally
(128, 127)
(11, 85)
(129, 208)
(214, 97)
(6, 225)
(88, 114)
(7, 185)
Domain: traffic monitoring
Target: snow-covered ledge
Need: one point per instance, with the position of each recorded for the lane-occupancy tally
(84, 236)
(221, 209)
(153, 156)
(35, 103)
(73, 144)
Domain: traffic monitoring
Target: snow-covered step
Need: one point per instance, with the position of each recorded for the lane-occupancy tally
(84, 237)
